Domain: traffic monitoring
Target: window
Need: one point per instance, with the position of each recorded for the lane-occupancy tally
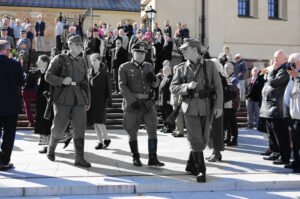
(273, 9)
(243, 8)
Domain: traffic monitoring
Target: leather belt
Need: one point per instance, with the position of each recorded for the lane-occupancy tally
(141, 96)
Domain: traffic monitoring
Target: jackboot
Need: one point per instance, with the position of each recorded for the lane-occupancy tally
(190, 165)
(51, 148)
(200, 166)
(79, 153)
(135, 153)
(152, 148)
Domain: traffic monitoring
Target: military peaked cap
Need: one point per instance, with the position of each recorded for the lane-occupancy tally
(140, 46)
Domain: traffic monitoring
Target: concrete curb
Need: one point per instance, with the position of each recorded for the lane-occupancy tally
(144, 184)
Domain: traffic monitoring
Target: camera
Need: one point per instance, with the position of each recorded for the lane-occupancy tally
(288, 66)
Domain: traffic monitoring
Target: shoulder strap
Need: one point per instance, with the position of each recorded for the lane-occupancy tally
(205, 76)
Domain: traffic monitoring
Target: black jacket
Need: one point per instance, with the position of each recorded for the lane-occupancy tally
(121, 57)
(253, 92)
(272, 102)
(11, 80)
(40, 28)
(90, 45)
(167, 48)
(100, 95)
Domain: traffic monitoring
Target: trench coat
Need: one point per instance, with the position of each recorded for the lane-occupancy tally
(100, 96)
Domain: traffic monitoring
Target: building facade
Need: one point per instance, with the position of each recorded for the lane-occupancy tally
(253, 28)
(50, 10)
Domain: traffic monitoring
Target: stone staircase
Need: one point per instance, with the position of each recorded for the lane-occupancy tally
(115, 116)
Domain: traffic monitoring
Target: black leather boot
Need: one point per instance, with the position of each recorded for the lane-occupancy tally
(200, 166)
(152, 148)
(135, 153)
(51, 148)
(79, 153)
(190, 165)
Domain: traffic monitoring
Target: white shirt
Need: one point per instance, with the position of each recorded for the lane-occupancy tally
(59, 29)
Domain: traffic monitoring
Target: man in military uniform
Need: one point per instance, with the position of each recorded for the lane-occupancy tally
(71, 98)
(136, 78)
(198, 82)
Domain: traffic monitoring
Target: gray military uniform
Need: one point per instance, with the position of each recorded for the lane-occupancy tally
(198, 109)
(133, 87)
(69, 100)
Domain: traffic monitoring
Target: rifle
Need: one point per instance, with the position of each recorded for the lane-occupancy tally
(170, 121)
(49, 97)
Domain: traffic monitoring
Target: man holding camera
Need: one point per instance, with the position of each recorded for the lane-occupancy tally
(198, 82)
(272, 110)
(71, 98)
(136, 78)
(292, 102)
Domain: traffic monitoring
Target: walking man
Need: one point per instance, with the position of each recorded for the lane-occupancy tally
(11, 80)
(71, 98)
(198, 82)
(136, 78)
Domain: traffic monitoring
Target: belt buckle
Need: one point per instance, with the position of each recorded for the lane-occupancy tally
(73, 83)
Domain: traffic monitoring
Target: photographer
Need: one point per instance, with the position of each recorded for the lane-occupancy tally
(292, 102)
(272, 110)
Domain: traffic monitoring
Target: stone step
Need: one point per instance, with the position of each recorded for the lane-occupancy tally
(242, 119)
(97, 185)
(241, 114)
(114, 115)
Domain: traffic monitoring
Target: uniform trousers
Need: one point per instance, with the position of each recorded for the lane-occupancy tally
(180, 123)
(63, 114)
(279, 139)
(8, 124)
(198, 130)
(101, 130)
(133, 118)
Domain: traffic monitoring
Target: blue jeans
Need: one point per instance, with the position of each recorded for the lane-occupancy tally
(252, 108)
